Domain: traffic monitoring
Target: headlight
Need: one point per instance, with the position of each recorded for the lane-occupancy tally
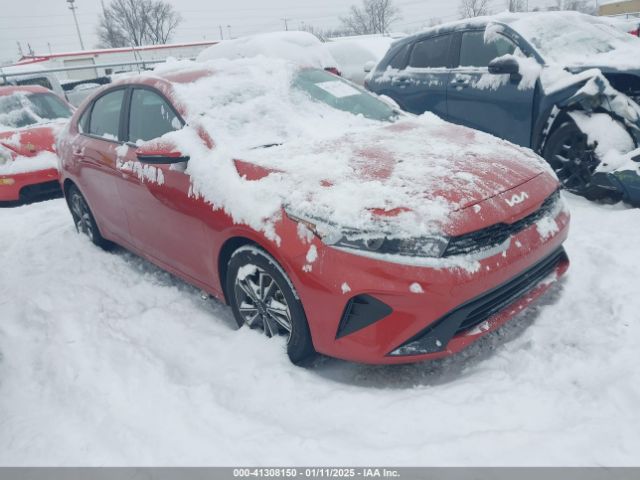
(5, 155)
(373, 242)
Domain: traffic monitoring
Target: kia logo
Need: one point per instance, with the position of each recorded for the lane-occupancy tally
(516, 199)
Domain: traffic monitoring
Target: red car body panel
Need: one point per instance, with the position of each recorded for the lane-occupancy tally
(185, 235)
(33, 140)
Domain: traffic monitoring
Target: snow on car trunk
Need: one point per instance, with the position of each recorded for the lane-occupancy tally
(107, 360)
(335, 151)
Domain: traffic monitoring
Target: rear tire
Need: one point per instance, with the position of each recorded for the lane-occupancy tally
(83, 218)
(262, 297)
(574, 161)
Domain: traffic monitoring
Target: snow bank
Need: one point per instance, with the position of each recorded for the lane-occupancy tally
(135, 368)
(301, 48)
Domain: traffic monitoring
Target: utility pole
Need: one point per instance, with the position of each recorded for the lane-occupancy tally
(286, 25)
(73, 8)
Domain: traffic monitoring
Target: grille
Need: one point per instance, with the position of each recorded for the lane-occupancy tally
(497, 234)
(495, 301)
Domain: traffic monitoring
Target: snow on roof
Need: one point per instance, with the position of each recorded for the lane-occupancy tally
(302, 48)
(561, 37)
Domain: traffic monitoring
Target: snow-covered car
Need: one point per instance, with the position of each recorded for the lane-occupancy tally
(302, 48)
(30, 118)
(565, 84)
(81, 91)
(313, 208)
(357, 55)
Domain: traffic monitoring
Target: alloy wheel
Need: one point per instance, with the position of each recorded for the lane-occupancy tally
(262, 304)
(81, 215)
(574, 161)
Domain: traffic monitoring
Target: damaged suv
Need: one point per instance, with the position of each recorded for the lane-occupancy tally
(565, 84)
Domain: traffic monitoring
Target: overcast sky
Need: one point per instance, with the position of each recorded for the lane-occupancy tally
(48, 24)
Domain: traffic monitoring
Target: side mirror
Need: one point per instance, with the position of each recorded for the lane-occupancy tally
(159, 153)
(370, 65)
(504, 65)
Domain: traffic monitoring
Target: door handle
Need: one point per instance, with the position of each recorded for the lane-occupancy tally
(401, 81)
(460, 82)
(78, 152)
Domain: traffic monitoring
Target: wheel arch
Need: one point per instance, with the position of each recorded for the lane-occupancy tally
(234, 243)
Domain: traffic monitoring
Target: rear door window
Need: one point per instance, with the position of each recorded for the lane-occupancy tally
(474, 52)
(105, 115)
(431, 52)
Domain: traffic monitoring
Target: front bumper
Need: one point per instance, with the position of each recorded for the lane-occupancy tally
(402, 312)
(29, 186)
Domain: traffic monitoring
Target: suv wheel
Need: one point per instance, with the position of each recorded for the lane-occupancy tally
(574, 160)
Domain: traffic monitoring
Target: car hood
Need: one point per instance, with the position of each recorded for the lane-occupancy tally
(424, 165)
(28, 142)
(454, 163)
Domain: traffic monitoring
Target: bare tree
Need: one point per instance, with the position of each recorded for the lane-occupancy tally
(163, 20)
(373, 16)
(137, 22)
(473, 8)
(517, 5)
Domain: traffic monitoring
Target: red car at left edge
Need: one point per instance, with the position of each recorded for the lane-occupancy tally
(30, 119)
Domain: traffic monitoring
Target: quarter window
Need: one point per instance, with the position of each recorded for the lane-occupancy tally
(474, 52)
(151, 116)
(399, 60)
(105, 115)
(431, 53)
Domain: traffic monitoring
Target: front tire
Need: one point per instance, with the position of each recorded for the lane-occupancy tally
(574, 161)
(83, 218)
(262, 297)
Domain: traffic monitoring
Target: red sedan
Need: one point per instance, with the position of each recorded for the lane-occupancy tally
(30, 118)
(314, 209)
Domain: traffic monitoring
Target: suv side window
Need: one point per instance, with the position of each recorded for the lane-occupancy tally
(399, 60)
(105, 115)
(150, 116)
(431, 52)
(474, 52)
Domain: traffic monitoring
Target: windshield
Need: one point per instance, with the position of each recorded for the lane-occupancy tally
(338, 93)
(24, 109)
(569, 39)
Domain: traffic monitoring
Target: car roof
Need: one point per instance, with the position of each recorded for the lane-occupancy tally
(11, 89)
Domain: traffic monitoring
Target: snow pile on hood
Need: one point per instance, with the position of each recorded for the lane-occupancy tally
(327, 163)
(42, 161)
(25, 160)
(301, 48)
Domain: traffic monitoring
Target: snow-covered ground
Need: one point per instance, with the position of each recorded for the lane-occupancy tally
(106, 360)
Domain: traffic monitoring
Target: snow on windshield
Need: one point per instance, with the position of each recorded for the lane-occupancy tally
(24, 109)
(329, 163)
(569, 38)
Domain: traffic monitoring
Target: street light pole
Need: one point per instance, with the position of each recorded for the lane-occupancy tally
(73, 9)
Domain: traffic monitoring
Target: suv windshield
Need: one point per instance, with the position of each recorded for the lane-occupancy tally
(564, 40)
(338, 93)
(24, 109)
